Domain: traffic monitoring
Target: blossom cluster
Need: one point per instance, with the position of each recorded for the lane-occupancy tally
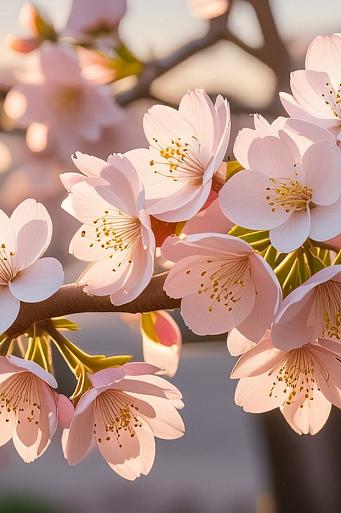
(241, 240)
(249, 245)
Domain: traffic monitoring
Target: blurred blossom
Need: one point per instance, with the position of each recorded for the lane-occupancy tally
(89, 20)
(97, 66)
(38, 27)
(161, 339)
(59, 106)
(103, 68)
(37, 177)
(208, 9)
(5, 158)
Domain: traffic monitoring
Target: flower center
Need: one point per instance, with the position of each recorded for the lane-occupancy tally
(102, 28)
(7, 265)
(117, 415)
(19, 394)
(328, 301)
(289, 194)
(224, 280)
(297, 375)
(180, 160)
(67, 99)
(332, 98)
(115, 232)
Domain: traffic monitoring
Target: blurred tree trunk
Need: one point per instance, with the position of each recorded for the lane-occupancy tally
(306, 469)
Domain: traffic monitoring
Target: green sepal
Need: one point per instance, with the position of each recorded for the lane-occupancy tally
(65, 324)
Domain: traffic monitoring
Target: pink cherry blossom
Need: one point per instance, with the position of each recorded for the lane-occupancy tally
(303, 133)
(24, 276)
(116, 236)
(126, 408)
(38, 27)
(97, 66)
(161, 339)
(208, 9)
(302, 382)
(285, 192)
(223, 284)
(187, 147)
(88, 165)
(29, 406)
(59, 106)
(238, 344)
(316, 89)
(88, 19)
(311, 311)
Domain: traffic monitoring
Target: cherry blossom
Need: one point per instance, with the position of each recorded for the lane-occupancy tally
(161, 339)
(116, 236)
(126, 408)
(285, 192)
(311, 311)
(316, 90)
(24, 276)
(223, 284)
(59, 106)
(187, 147)
(88, 165)
(303, 133)
(29, 406)
(99, 20)
(302, 382)
(37, 26)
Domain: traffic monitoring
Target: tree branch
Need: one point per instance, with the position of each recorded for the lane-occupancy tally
(71, 299)
(156, 68)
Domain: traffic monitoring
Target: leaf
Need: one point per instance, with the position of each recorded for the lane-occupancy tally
(65, 324)
(232, 167)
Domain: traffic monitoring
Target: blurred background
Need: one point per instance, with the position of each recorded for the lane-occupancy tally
(228, 461)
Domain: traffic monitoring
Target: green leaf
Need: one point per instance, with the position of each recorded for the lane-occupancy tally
(65, 324)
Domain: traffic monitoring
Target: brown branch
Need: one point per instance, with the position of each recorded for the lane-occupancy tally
(156, 68)
(272, 53)
(71, 299)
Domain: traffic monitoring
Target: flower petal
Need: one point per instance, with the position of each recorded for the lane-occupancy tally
(237, 343)
(33, 239)
(254, 211)
(9, 307)
(253, 394)
(326, 221)
(306, 416)
(293, 233)
(40, 281)
(324, 54)
(88, 164)
(325, 186)
(260, 359)
(268, 295)
(308, 88)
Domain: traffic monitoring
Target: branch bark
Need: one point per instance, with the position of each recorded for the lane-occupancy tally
(71, 299)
